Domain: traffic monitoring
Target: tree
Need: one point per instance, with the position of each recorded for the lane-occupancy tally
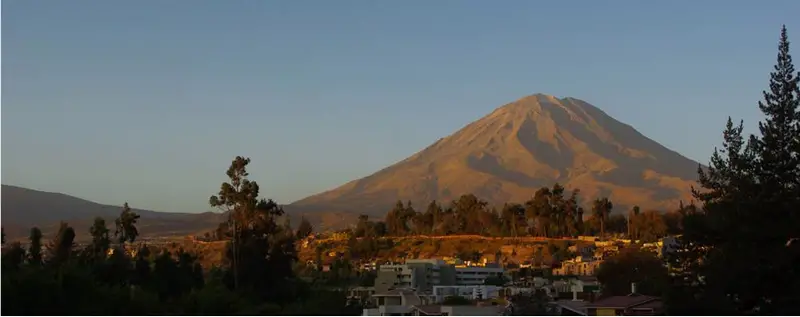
(601, 209)
(126, 225)
(513, 219)
(538, 210)
(674, 219)
(141, 267)
(778, 165)
(734, 257)
(35, 249)
(433, 217)
(396, 221)
(100, 239)
(237, 199)
(651, 226)
(304, 229)
(363, 226)
(632, 217)
(616, 224)
(632, 265)
(14, 257)
(531, 304)
(778, 170)
(261, 253)
(61, 246)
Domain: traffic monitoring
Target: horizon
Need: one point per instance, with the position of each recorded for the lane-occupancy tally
(109, 108)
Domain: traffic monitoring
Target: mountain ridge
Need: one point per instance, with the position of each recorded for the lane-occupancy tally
(23, 208)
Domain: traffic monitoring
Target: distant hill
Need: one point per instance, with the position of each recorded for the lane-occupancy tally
(24, 208)
(510, 153)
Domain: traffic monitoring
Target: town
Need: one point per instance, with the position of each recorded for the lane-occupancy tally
(451, 286)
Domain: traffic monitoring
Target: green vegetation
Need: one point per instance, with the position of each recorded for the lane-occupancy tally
(633, 265)
(115, 276)
(737, 254)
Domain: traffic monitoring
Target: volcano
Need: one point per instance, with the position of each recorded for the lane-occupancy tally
(518, 148)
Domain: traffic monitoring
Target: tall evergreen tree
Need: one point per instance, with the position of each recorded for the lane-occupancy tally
(778, 161)
(734, 257)
(778, 170)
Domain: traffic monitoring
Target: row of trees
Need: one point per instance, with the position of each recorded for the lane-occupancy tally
(114, 276)
(550, 213)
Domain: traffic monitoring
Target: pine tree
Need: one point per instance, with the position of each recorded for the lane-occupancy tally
(779, 163)
(734, 257)
(778, 170)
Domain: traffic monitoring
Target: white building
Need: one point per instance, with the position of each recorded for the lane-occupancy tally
(476, 275)
(473, 292)
(404, 273)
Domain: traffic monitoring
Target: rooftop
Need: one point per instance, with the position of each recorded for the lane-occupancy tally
(622, 301)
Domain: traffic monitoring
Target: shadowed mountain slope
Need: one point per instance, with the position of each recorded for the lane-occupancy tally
(510, 153)
(24, 208)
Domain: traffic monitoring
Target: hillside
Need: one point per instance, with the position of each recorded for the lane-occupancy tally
(24, 208)
(510, 153)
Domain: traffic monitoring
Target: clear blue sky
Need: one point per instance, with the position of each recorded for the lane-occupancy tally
(148, 101)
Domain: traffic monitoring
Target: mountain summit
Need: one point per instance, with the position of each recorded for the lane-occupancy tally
(519, 147)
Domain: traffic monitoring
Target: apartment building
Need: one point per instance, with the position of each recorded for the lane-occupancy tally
(417, 274)
(473, 292)
(476, 275)
(423, 274)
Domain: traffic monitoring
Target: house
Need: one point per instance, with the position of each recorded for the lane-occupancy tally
(361, 292)
(574, 307)
(633, 304)
(580, 265)
(397, 302)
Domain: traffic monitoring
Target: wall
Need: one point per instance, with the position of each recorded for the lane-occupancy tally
(385, 280)
(472, 310)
